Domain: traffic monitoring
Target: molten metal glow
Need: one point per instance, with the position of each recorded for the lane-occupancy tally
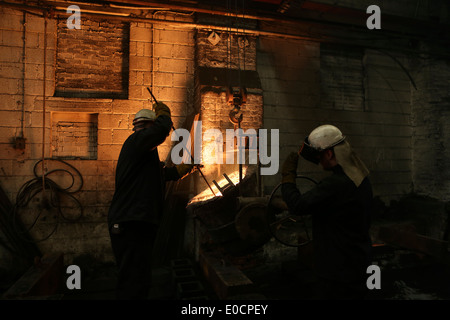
(207, 194)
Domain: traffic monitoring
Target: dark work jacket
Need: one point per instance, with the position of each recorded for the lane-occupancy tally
(140, 176)
(341, 215)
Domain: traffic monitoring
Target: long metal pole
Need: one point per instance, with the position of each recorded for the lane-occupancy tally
(192, 158)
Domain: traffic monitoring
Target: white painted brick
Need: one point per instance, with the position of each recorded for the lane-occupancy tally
(35, 24)
(172, 94)
(172, 65)
(35, 87)
(9, 102)
(140, 34)
(11, 38)
(164, 50)
(11, 20)
(136, 92)
(174, 36)
(163, 79)
(33, 40)
(133, 47)
(10, 86)
(105, 136)
(10, 54)
(119, 136)
(140, 63)
(11, 70)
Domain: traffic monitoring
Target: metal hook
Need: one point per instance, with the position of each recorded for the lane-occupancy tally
(233, 113)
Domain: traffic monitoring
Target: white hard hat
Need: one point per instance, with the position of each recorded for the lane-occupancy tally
(325, 137)
(144, 115)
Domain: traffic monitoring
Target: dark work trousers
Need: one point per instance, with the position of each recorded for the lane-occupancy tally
(132, 248)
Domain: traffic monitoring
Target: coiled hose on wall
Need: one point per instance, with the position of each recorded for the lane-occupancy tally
(52, 196)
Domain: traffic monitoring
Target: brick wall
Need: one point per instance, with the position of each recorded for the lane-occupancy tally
(341, 77)
(431, 128)
(74, 135)
(379, 127)
(92, 61)
(402, 141)
(230, 62)
(160, 57)
(232, 51)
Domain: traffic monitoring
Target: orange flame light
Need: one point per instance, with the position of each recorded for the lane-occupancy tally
(207, 194)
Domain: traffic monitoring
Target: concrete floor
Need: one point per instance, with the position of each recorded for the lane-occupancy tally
(405, 276)
(101, 285)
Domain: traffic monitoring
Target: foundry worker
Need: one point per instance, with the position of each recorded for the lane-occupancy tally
(137, 204)
(340, 207)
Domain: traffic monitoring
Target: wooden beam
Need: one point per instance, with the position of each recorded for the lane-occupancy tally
(408, 239)
(226, 279)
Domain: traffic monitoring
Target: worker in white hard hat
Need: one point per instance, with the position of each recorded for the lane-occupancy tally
(144, 117)
(137, 203)
(340, 207)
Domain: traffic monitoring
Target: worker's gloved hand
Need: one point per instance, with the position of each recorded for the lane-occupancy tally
(184, 169)
(289, 169)
(197, 167)
(161, 109)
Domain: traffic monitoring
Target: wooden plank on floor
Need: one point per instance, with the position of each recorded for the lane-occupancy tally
(226, 279)
(409, 239)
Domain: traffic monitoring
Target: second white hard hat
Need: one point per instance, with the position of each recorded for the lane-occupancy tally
(144, 115)
(325, 137)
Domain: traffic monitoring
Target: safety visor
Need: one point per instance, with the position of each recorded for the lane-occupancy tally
(309, 153)
(142, 119)
(141, 123)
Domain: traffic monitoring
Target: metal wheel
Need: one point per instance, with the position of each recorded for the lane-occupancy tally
(290, 230)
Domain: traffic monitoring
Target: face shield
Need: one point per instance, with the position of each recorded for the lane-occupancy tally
(350, 162)
(309, 153)
(327, 137)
